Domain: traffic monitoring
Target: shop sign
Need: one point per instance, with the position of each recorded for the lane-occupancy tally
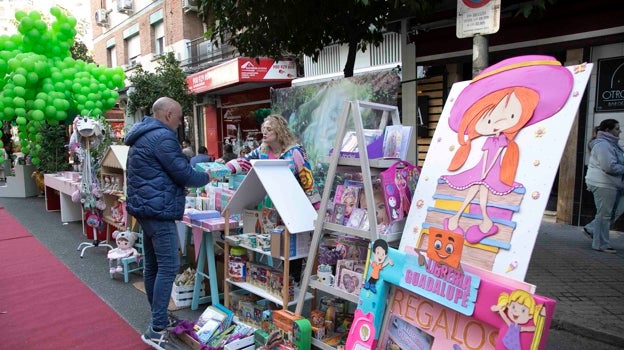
(266, 69)
(241, 70)
(610, 85)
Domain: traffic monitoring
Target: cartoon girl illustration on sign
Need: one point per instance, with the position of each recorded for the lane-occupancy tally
(498, 104)
(379, 260)
(517, 309)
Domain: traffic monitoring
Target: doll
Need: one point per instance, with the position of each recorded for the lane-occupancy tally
(125, 248)
(107, 183)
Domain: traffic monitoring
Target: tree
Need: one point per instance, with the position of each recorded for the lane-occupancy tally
(167, 80)
(80, 51)
(286, 28)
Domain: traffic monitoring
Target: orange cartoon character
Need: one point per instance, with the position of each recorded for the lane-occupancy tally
(445, 247)
(379, 260)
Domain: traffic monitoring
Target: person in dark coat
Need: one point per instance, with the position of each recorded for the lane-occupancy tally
(201, 157)
(157, 174)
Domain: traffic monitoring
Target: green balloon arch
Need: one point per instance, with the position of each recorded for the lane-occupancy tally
(42, 83)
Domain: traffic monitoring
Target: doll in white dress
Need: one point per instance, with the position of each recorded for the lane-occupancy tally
(125, 248)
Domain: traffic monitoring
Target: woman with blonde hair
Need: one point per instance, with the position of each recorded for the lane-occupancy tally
(278, 142)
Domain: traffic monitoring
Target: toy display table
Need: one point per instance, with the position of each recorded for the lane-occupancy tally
(20, 184)
(207, 229)
(65, 185)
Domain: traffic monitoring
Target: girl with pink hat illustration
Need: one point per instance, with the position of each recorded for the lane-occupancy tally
(498, 104)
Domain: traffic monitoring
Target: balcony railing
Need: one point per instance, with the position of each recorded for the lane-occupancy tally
(204, 54)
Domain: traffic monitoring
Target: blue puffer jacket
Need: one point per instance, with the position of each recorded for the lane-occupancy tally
(157, 172)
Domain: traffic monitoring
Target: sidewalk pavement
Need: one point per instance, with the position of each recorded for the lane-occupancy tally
(588, 285)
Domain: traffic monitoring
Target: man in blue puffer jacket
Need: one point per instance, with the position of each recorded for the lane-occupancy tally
(158, 173)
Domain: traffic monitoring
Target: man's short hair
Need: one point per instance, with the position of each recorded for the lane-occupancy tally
(202, 149)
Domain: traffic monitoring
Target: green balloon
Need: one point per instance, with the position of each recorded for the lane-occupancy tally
(58, 104)
(9, 113)
(19, 80)
(20, 121)
(41, 26)
(36, 160)
(39, 104)
(19, 102)
(32, 78)
(50, 112)
(35, 15)
(19, 91)
(61, 115)
(20, 14)
(55, 11)
(37, 115)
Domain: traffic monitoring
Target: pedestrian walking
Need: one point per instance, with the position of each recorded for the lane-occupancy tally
(604, 178)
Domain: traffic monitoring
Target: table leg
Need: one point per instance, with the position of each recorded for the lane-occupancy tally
(206, 252)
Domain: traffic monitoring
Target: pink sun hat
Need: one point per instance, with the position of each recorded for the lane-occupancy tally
(543, 74)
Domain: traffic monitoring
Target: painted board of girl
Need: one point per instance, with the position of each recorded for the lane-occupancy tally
(497, 105)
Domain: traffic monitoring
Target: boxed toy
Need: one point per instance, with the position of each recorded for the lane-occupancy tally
(218, 172)
(296, 331)
(276, 282)
(299, 243)
(259, 275)
(199, 216)
(252, 221)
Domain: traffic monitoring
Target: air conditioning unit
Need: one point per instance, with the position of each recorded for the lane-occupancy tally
(101, 17)
(189, 5)
(124, 6)
(132, 63)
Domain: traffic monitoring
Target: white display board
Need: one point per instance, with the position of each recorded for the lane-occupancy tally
(274, 177)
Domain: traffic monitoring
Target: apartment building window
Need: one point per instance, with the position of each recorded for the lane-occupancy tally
(111, 57)
(133, 49)
(159, 38)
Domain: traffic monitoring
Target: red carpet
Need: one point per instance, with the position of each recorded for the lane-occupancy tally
(43, 305)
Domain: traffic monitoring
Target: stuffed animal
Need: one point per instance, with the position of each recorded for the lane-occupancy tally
(125, 248)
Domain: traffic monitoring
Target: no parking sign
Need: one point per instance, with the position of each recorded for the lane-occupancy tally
(477, 17)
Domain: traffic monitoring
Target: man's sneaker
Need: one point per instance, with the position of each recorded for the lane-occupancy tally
(158, 340)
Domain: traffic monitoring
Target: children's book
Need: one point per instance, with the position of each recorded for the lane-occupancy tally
(396, 141)
(215, 319)
(355, 220)
(339, 213)
(338, 193)
(402, 335)
(329, 212)
(270, 219)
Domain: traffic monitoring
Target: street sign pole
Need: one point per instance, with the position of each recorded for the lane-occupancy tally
(477, 18)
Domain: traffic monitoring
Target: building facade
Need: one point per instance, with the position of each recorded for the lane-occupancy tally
(574, 31)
